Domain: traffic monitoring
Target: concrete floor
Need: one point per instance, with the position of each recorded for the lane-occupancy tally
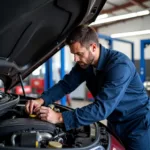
(81, 103)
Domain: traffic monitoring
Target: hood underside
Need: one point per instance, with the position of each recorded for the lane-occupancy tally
(32, 31)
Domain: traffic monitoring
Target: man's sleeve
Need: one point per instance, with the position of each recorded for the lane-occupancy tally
(109, 96)
(69, 83)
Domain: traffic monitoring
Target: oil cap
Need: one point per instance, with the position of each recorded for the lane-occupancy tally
(54, 144)
(32, 116)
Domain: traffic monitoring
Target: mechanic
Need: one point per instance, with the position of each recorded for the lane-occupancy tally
(115, 85)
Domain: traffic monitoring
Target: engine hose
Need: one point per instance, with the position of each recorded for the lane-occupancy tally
(13, 137)
(43, 136)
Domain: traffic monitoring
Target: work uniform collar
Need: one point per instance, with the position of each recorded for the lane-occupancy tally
(102, 58)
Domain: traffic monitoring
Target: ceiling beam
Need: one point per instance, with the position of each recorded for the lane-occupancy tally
(116, 6)
(126, 5)
(137, 2)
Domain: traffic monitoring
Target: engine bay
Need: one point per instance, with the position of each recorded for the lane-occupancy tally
(18, 129)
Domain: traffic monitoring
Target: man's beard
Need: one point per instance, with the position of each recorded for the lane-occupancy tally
(89, 62)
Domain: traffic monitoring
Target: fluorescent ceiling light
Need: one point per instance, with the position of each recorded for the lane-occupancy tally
(117, 35)
(121, 17)
(102, 16)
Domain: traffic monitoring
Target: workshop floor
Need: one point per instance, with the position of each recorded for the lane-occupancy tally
(81, 103)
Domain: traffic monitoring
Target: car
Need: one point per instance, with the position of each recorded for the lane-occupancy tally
(30, 33)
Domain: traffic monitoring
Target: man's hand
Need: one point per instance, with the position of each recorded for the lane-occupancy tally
(32, 105)
(47, 114)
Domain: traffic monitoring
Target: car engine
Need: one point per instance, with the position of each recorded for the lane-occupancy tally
(18, 129)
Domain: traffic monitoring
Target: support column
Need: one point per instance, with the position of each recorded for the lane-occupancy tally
(62, 73)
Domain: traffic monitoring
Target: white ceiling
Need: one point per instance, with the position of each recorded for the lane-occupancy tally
(135, 7)
(121, 7)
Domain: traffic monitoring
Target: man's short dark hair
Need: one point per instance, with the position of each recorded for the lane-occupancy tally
(83, 34)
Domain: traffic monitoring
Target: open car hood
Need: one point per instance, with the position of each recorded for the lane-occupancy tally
(32, 31)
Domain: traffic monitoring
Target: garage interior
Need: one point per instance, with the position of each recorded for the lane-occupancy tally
(122, 25)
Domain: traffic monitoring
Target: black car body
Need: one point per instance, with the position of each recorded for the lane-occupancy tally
(31, 31)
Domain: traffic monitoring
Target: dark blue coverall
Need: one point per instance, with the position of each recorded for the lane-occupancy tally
(119, 96)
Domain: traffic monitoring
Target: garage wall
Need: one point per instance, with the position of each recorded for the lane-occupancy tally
(141, 23)
(130, 26)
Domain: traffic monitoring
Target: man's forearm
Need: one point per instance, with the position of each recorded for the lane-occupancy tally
(53, 94)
